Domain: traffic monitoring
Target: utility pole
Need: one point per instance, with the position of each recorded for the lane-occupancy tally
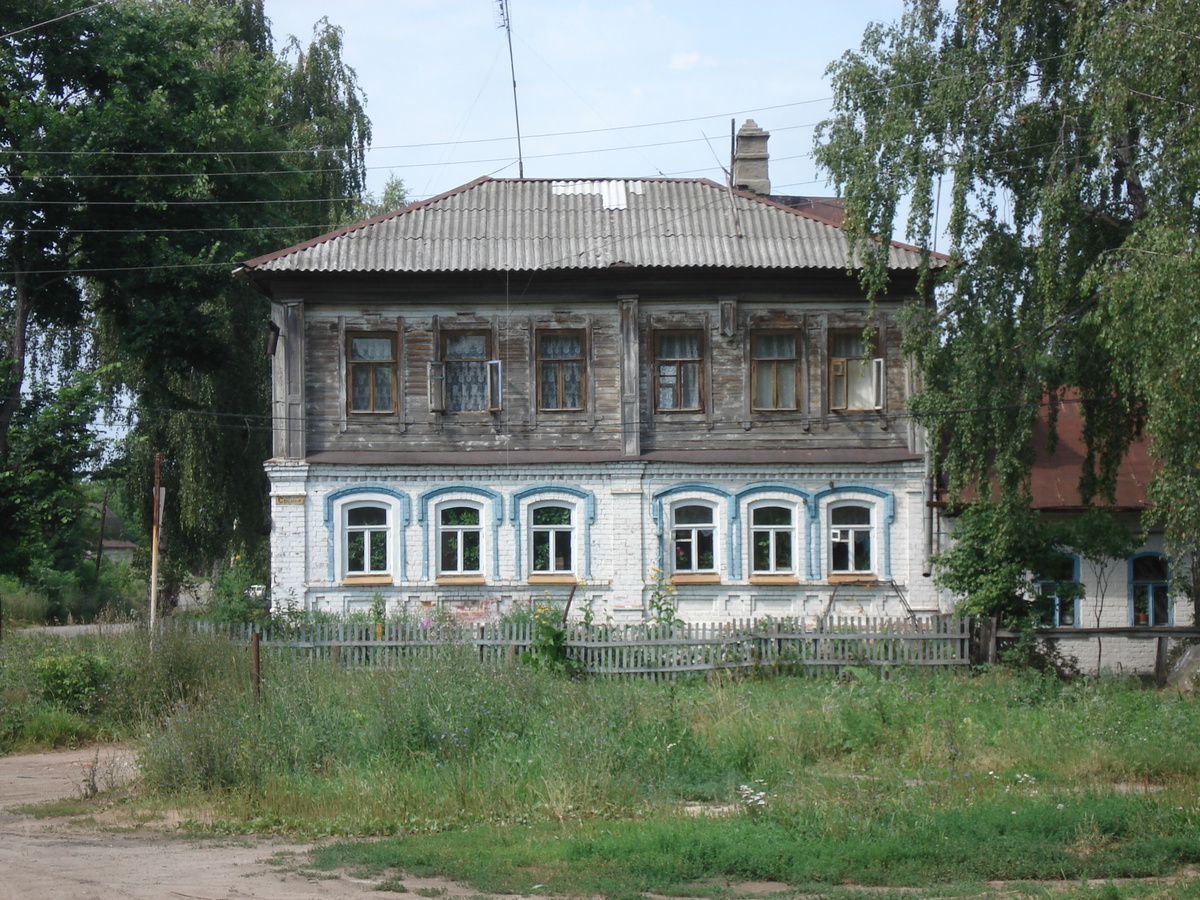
(154, 540)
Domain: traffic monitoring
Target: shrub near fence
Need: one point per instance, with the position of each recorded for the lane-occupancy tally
(646, 650)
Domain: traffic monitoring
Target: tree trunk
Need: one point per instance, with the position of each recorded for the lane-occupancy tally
(16, 351)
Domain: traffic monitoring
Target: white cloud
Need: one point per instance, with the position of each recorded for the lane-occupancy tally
(683, 61)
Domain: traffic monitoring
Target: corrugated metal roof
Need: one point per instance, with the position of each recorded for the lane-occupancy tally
(531, 224)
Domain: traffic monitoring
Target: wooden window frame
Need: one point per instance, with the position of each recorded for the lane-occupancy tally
(839, 376)
(582, 359)
(371, 365)
(699, 360)
(437, 376)
(793, 361)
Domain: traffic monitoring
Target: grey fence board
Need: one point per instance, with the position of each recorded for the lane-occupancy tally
(646, 650)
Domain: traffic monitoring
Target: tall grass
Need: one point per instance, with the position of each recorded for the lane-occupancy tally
(56, 691)
(446, 741)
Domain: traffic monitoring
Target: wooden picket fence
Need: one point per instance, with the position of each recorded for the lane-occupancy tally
(644, 650)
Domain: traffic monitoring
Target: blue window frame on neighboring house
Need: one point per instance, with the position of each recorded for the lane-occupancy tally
(1058, 591)
(1149, 590)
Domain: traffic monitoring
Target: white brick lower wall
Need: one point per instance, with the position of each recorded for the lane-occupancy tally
(623, 536)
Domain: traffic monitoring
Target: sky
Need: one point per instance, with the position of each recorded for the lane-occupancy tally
(605, 88)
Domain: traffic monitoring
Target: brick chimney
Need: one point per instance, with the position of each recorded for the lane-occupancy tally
(750, 159)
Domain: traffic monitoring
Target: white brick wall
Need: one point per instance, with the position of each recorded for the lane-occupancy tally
(624, 539)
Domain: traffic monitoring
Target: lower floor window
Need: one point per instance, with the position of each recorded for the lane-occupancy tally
(552, 540)
(771, 541)
(1058, 591)
(459, 541)
(850, 539)
(694, 539)
(1151, 605)
(366, 540)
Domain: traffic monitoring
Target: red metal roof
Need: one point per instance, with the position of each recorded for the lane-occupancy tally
(1055, 476)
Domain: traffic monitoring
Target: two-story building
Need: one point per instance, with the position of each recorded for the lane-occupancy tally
(528, 387)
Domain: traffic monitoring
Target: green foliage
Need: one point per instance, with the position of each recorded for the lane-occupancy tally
(999, 547)
(135, 230)
(61, 690)
(548, 649)
(50, 446)
(76, 681)
(235, 595)
(663, 602)
(1064, 141)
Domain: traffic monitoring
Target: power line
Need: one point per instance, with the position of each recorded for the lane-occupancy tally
(58, 19)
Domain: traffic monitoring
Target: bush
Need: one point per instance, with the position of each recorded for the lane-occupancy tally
(76, 681)
(21, 604)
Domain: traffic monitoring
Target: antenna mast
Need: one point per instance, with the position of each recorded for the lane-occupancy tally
(505, 21)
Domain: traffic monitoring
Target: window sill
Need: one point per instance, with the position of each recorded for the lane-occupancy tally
(367, 579)
(705, 578)
(460, 579)
(553, 579)
(774, 579)
(853, 578)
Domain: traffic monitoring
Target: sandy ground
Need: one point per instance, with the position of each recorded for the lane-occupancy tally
(63, 859)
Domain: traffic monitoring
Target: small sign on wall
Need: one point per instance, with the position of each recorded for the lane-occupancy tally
(289, 500)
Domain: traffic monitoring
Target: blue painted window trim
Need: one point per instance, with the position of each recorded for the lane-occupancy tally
(749, 495)
(349, 495)
(549, 489)
(428, 528)
(1170, 599)
(657, 511)
(883, 528)
(1075, 576)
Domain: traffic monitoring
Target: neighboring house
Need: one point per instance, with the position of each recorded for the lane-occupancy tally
(530, 388)
(1111, 593)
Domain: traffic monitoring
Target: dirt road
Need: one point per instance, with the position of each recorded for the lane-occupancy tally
(61, 859)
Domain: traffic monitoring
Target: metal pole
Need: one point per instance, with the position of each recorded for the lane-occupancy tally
(256, 664)
(154, 543)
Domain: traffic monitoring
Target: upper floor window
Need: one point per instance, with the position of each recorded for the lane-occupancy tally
(850, 540)
(560, 370)
(552, 540)
(856, 380)
(694, 538)
(774, 370)
(460, 541)
(1058, 593)
(466, 379)
(1149, 587)
(366, 535)
(772, 536)
(372, 374)
(677, 371)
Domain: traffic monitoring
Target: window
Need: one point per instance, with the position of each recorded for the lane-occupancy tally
(465, 380)
(459, 541)
(1151, 604)
(774, 370)
(372, 374)
(366, 540)
(694, 537)
(855, 380)
(677, 371)
(850, 539)
(552, 540)
(560, 370)
(771, 540)
(1058, 593)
